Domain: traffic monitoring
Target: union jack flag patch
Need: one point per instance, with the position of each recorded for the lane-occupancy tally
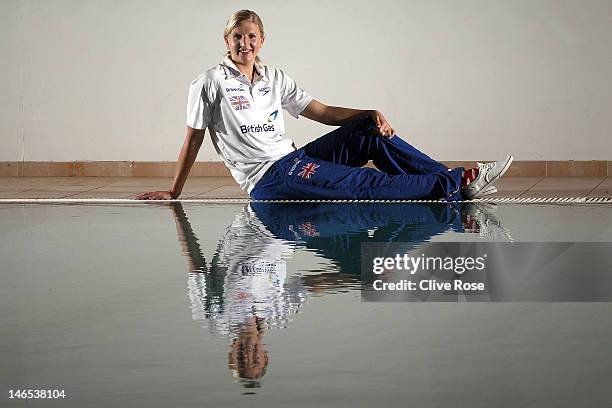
(239, 102)
(309, 229)
(308, 170)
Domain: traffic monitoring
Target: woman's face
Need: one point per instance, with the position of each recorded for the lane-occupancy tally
(244, 43)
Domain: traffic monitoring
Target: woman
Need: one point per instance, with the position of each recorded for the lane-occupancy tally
(241, 102)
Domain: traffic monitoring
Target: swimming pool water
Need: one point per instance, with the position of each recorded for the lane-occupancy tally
(223, 305)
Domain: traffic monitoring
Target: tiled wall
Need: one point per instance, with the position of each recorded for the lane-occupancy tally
(593, 168)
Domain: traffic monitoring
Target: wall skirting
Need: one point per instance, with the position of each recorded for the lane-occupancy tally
(567, 168)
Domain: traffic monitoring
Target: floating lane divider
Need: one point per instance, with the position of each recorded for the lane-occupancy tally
(501, 200)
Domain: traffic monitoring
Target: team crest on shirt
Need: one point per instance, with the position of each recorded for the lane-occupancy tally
(308, 170)
(239, 103)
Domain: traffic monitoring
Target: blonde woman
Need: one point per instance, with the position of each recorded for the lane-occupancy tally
(241, 102)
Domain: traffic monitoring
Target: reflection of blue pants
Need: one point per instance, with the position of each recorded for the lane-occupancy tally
(330, 168)
(336, 231)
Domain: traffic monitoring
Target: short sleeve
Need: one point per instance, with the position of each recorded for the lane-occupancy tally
(199, 108)
(293, 99)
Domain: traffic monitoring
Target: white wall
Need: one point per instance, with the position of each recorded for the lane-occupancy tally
(461, 79)
(11, 81)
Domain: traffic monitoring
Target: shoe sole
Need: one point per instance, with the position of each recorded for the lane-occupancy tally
(488, 190)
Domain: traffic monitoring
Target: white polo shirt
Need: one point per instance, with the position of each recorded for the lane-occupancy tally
(245, 120)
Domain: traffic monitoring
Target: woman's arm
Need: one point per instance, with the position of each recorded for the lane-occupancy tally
(191, 146)
(338, 116)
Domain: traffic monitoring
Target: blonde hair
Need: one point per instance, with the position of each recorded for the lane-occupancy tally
(239, 17)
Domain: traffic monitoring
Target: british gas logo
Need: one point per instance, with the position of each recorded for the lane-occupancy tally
(273, 116)
(258, 128)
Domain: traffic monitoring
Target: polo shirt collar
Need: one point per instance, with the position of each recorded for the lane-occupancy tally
(231, 70)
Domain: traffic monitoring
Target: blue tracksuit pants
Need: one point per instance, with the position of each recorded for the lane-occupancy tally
(330, 168)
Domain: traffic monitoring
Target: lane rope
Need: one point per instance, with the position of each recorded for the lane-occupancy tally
(500, 200)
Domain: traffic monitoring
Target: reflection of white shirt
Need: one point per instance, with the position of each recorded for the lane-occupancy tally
(245, 120)
(255, 283)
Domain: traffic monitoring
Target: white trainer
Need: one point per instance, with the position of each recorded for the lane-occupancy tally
(487, 174)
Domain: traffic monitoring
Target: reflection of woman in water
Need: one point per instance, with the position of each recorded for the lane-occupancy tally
(247, 289)
(247, 276)
(243, 291)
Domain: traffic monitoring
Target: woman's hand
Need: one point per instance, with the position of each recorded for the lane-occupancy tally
(155, 195)
(384, 128)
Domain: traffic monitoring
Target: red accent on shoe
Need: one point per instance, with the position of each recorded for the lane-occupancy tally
(469, 175)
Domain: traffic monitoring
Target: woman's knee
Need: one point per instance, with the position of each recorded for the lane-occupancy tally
(363, 122)
(359, 126)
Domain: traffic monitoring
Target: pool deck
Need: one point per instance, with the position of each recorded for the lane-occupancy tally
(226, 187)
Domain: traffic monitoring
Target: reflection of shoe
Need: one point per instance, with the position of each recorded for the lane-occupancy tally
(478, 219)
(487, 174)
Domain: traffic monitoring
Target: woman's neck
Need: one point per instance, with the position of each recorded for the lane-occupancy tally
(249, 74)
(247, 70)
